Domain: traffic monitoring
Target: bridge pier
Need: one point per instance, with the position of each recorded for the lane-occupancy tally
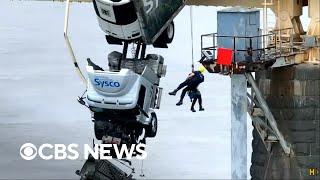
(238, 126)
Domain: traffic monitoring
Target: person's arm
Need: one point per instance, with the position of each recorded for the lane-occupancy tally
(190, 75)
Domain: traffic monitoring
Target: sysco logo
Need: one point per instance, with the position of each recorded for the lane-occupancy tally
(106, 83)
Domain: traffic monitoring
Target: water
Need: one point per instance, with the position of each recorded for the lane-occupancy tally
(39, 87)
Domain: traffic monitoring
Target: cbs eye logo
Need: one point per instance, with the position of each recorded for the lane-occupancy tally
(28, 151)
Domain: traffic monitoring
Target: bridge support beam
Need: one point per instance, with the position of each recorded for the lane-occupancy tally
(238, 126)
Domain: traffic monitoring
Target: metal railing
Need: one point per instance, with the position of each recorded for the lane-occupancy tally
(277, 43)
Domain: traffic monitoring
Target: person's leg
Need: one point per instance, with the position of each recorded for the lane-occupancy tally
(183, 94)
(183, 84)
(193, 103)
(200, 102)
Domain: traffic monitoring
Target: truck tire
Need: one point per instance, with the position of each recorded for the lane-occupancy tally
(166, 36)
(293, 95)
(152, 128)
(99, 129)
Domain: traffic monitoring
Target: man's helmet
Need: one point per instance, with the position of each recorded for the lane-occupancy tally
(202, 69)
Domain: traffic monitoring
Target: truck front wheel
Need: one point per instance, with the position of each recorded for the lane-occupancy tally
(151, 129)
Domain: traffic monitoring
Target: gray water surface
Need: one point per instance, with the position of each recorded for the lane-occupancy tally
(39, 86)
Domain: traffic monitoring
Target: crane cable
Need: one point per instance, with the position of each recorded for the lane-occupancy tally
(68, 43)
(191, 34)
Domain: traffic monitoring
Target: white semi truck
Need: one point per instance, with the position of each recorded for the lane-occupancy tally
(122, 99)
(149, 21)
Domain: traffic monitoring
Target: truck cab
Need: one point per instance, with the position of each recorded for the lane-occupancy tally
(125, 95)
(147, 21)
(118, 19)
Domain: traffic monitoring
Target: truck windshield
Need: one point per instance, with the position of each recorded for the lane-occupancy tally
(124, 13)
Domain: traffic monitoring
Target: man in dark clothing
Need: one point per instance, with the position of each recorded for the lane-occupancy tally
(191, 84)
(194, 96)
(187, 84)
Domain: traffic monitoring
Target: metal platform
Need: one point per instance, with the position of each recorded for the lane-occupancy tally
(274, 51)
